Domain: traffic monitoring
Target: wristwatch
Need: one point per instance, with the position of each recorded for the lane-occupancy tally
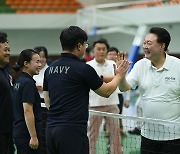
(102, 77)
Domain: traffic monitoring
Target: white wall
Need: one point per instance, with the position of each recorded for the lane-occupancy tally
(22, 39)
(124, 41)
(28, 31)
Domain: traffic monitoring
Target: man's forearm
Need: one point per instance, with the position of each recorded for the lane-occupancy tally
(124, 85)
(108, 88)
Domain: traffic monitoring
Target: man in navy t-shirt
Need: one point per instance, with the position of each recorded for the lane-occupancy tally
(67, 83)
(6, 105)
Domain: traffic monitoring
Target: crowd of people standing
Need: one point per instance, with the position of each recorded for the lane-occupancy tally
(68, 87)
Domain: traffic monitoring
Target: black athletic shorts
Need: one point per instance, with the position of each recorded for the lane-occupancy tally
(67, 140)
(159, 147)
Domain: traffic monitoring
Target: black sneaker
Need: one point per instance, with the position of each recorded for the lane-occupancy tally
(135, 131)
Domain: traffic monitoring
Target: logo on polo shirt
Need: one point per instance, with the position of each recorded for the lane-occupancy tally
(169, 79)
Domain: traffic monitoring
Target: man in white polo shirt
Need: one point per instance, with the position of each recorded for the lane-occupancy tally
(105, 69)
(158, 78)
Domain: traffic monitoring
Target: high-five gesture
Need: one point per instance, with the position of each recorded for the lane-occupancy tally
(122, 65)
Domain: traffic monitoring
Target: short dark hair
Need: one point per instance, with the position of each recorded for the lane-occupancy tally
(42, 48)
(3, 37)
(113, 49)
(71, 36)
(25, 55)
(102, 40)
(163, 36)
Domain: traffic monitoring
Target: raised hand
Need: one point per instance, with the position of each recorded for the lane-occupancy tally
(121, 56)
(122, 65)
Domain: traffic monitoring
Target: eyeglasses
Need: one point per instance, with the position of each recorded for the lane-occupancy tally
(87, 45)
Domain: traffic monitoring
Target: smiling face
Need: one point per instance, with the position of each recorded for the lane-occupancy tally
(33, 67)
(4, 54)
(100, 52)
(152, 49)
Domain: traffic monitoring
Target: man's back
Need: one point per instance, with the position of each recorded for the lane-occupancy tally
(68, 81)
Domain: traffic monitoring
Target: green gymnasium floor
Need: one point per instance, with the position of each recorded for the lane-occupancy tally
(130, 143)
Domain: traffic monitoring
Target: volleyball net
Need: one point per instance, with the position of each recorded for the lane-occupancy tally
(153, 129)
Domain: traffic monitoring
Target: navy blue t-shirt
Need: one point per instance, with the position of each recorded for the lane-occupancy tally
(25, 91)
(69, 81)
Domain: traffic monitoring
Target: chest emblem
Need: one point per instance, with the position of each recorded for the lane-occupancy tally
(169, 79)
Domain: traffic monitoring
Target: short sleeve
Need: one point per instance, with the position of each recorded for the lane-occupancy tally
(28, 92)
(132, 77)
(91, 78)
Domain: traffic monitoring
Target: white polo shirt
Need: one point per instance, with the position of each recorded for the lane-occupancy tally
(160, 96)
(103, 69)
(40, 78)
